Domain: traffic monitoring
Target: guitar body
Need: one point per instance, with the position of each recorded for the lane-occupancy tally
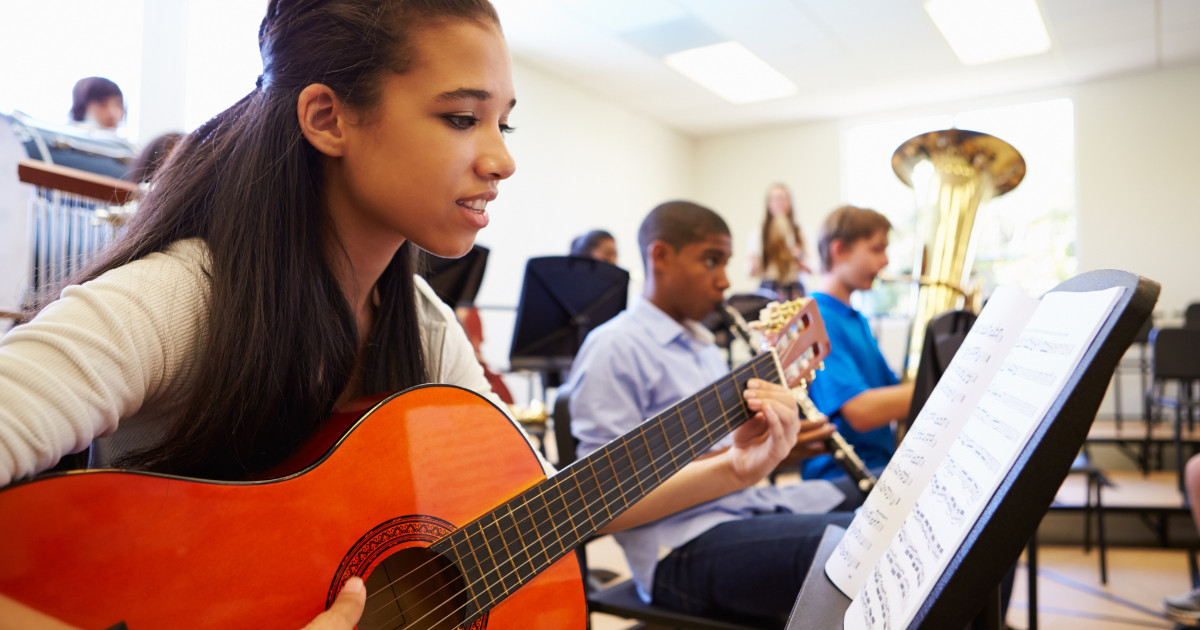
(95, 548)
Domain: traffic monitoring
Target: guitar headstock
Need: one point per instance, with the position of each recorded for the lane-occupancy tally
(797, 333)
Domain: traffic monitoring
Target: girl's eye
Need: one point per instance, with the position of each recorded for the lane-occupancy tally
(504, 128)
(461, 121)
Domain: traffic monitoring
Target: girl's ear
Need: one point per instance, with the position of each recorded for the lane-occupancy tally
(322, 119)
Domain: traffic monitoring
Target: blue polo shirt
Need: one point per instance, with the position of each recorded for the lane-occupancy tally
(854, 365)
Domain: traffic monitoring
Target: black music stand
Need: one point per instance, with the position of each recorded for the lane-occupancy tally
(562, 299)
(967, 592)
(455, 280)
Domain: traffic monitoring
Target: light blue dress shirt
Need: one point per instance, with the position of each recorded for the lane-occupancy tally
(632, 368)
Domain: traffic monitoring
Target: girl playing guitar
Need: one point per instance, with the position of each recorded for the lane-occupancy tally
(267, 278)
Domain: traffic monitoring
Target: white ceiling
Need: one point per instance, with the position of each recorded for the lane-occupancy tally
(849, 57)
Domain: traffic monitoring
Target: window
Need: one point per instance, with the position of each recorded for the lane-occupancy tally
(1025, 238)
(48, 45)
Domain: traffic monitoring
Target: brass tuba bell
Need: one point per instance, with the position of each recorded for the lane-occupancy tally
(951, 172)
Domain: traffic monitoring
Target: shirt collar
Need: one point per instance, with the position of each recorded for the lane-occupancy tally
(664, 329)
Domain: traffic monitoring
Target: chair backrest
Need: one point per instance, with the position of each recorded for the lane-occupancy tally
(563, 440)
(1191, 315)
(1176, 353)
(943, 336)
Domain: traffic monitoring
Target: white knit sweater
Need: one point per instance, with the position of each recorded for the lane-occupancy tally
(109, 363)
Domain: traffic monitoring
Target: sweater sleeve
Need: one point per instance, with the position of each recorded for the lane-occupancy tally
(95, 356)
(454, 358)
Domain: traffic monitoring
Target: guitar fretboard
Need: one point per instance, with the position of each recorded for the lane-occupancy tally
(507, 547)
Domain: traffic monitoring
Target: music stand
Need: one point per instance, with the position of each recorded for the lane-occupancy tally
(966, 590)
(562, 299)
(455, 280)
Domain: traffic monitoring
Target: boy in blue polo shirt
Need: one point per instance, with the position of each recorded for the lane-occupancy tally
(857, 389)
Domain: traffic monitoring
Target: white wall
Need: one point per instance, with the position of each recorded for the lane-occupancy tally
(1136, 137)
(582, 163)
(733, 172)
(1138, 169)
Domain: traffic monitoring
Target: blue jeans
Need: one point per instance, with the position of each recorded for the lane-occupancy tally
(746, 569)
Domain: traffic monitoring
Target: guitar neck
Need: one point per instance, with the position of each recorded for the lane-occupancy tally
(507, 547)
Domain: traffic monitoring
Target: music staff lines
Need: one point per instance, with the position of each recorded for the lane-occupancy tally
(943, 495)
(980, 452)
(1039, 377)
(999, 426)
(1012, 402)
(1035, 343)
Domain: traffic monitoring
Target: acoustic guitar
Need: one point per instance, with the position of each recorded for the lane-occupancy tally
(448, 533)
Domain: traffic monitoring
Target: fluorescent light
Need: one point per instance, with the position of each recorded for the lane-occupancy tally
(732, 72)
(982, 31)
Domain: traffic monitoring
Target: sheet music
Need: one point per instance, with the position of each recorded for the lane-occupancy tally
(932, 433)
(1029, 380)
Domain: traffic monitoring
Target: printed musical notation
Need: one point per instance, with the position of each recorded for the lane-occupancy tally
(957, 473)
(938, 419)
(889, 494)
(873, 518)
(982, 453)
(1006, 375)
(850, 559)
(927, 531)
(952, 394)
(954, 511)
(973, 354)
(999, 426)
(1036, 343)
(1029, 374)
(962, 374)
(1011, 401)
(857, 534)
(924, 437)
(990, 330)
(914, 458)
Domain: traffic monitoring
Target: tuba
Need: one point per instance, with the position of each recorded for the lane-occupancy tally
(952, 172)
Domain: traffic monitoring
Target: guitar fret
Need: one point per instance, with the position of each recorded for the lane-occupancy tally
(473, 574)
(508, 560)
(543, 518)
(584, 508)
(484, 561)
(640, 458)
(568, 512)
(648, 442)
(605, 476)
(515, 537)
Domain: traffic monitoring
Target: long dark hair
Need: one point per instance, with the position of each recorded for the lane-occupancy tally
(281, 337)
(764, 254)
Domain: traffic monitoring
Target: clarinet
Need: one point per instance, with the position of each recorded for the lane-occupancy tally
(841, 450)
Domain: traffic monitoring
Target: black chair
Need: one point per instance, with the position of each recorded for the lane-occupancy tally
(620, 599)
(1176, 360)
(1191, 315)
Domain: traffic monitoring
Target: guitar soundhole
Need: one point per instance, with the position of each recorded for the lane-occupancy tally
(414, 589)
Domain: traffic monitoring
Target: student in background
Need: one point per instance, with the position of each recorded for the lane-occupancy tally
(267, 277)
(744, 554)
(857, 389)
(97, 102)
(596, 244)
(777, 251)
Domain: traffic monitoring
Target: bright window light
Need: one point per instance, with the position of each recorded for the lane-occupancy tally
(983, 31)
(731, 72)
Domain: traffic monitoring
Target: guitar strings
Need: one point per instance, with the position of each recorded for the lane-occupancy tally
(671, 453)
(571, 475)
(575, 472)
(515, 569)
(712, 394)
